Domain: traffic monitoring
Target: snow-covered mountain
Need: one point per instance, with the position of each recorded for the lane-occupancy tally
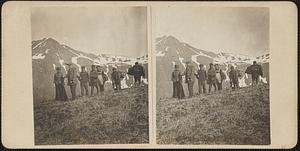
(238, 59)
(170, 51)
(47, 54)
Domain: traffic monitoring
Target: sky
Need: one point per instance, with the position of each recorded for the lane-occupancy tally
(98, 30)
(238, 30)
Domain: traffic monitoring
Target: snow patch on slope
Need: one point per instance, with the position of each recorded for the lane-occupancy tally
(61, 62)
(46, 51)
(54, 66)
(160, 54)
(181, 61)
(38, 56)
(74, 61)
(39, 44)
(173, 63)
(194, 58)
(199, 53)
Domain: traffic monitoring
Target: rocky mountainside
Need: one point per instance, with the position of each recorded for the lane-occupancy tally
(171, 51)
(48, 53)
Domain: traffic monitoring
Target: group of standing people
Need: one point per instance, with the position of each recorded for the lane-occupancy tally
(95, 79)
(213, 77)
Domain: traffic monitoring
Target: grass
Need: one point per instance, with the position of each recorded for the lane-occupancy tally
(240, 117)
(107, 118)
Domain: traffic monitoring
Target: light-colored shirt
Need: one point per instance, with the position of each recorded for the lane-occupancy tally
(218, 76)
(100, 77)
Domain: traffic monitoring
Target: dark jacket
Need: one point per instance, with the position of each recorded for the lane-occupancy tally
(72, 76)
(189, 73)
(137, 70)
(178, 91)
(93, 76)
(233, 75)
(58, 78)
(116, 77)
(201, 75)
(176, 76)
(211, 76)
(84, 77)
(254, 70)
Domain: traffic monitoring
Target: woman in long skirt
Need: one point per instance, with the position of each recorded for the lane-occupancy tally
(60, 92)
(177, 83)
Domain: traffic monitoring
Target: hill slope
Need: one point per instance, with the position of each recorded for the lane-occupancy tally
(227, 117)
(108, 118)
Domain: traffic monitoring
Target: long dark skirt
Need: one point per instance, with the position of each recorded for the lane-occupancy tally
(60, 92)
(178, 90)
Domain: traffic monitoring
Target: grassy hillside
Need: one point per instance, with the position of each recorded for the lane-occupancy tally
(107, 118)
(227, 117)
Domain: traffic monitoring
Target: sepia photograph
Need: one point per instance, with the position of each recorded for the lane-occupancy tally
(212, 69)
(90, 75)
(149, 75)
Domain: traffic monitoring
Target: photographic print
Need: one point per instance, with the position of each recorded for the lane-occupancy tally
(90, 75)
(212, 75)
(145, 75)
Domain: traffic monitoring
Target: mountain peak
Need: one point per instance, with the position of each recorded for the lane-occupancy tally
(169, 40)
(51, 41)
(45, 42)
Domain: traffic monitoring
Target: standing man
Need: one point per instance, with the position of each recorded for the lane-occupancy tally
(177, 83)
(220, 76)
(138, 72)
(102, 78)
(211, 79)
(233, 76)
(94, 79)
(72, 80)
(255, 70)
(60, 92)
(116, 79)
(202, 76)
(190, 77)
(84, 80)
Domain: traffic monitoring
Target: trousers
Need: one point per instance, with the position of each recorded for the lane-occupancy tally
(219, 85)
(73, 91)
(137, 79)
(191, 88)
(84, 88)
(202, 86)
